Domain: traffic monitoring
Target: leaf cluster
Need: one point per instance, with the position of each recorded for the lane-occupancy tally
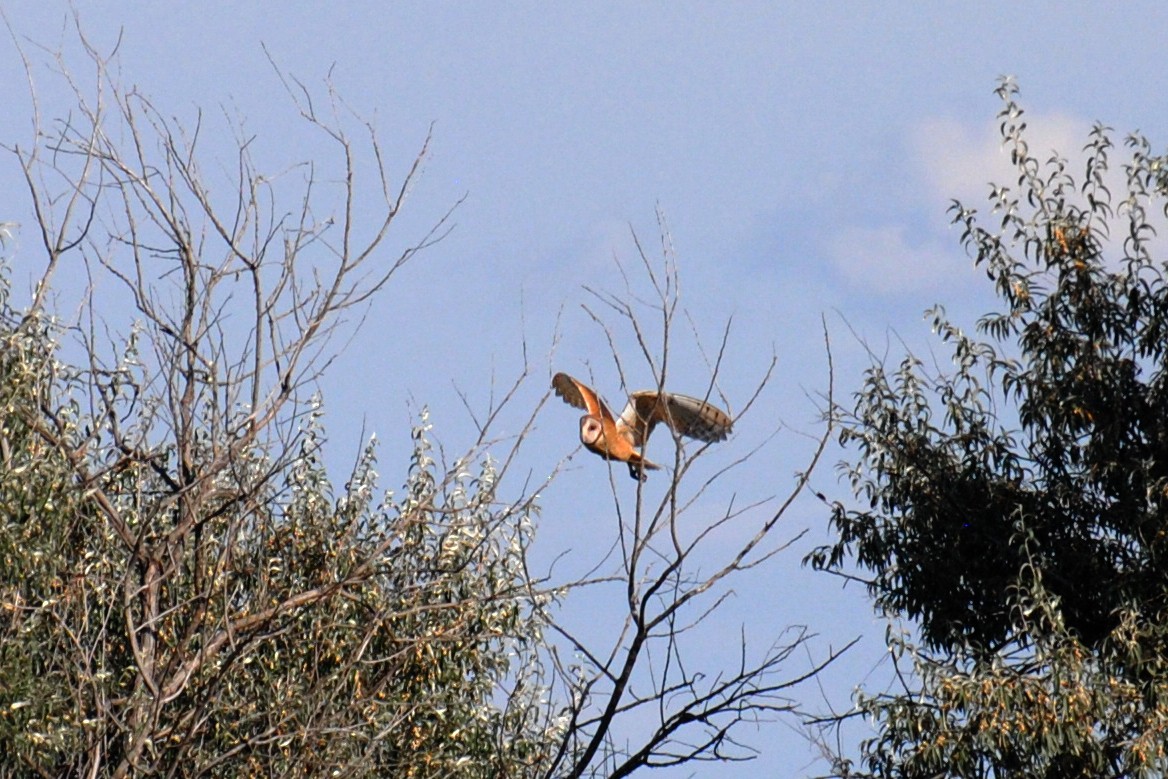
(398, 669)
(183, 589)
(1014, 508)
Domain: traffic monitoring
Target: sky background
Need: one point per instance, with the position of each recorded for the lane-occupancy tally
(803, 156)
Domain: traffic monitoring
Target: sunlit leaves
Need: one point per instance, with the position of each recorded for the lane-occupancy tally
(391, 630)
(1012, 506)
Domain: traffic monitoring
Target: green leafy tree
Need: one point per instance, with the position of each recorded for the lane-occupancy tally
(183, 590)
(1014, 511)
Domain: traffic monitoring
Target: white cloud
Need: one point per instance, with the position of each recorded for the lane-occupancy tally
(954, 161)
(959, 161)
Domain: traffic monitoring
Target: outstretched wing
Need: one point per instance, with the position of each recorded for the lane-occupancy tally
(580, 395)
(684, 415)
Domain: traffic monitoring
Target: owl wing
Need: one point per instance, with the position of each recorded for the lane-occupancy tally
(684, 415)
(580, 395)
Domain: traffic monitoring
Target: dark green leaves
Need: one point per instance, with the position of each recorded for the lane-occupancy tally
(1014, 509)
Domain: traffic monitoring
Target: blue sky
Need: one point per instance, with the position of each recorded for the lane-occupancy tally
(803, 155)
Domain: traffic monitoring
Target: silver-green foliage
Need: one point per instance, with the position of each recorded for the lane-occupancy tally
(297, 631)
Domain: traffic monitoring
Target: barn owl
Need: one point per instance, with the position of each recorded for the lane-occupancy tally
(618, 438)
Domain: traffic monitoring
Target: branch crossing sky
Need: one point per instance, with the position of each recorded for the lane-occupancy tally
(802, 154)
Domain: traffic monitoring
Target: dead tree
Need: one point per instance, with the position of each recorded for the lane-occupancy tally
(673, 580)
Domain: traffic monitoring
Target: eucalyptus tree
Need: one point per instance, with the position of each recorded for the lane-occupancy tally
(185, 591)
(1012, 513)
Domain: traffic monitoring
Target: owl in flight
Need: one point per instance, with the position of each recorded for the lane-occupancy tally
(618, 438)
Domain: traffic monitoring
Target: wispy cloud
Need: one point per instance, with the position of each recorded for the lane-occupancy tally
(953, 161)
(960, 161)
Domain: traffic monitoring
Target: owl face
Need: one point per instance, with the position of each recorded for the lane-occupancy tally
(591, 430)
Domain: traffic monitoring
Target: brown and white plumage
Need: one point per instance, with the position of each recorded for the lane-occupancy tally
(618, 438)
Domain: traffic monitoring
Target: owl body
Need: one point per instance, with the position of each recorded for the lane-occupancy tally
(621, 438)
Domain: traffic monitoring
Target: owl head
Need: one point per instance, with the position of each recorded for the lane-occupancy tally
(591, 430)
